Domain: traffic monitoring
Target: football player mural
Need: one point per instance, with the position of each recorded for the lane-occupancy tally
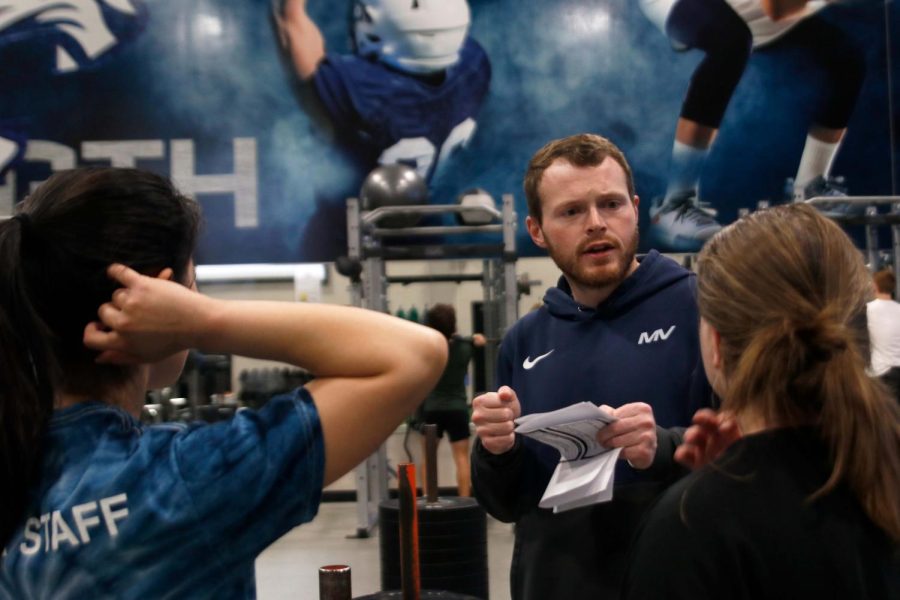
(727, 31)
(272, 112)
(76, 35)
(409, 93)
(10, 149)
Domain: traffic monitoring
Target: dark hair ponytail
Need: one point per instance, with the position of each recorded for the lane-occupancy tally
(26, 397)
(53, 258)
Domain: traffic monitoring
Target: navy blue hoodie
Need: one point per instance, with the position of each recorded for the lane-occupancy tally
(641, 344)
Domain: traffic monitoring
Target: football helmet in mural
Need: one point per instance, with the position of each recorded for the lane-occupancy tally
(416, 36)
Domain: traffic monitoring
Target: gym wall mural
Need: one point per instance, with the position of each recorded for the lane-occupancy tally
(717, 106)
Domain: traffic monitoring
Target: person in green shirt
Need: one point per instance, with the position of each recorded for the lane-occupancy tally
(447, 405)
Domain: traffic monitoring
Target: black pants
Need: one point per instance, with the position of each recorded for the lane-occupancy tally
(714, 27)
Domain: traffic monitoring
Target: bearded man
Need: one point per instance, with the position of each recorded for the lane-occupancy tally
(617, 331)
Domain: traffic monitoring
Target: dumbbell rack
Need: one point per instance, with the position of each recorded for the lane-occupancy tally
(368, 245)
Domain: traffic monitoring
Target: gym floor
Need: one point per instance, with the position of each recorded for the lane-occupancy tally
(288, 569)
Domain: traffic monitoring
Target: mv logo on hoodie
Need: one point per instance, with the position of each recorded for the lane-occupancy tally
(659, 335)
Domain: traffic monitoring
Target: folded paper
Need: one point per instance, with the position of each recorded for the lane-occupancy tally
(585, 471)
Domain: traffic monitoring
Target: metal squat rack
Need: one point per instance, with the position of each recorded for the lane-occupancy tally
(369, 249)
(872, 220)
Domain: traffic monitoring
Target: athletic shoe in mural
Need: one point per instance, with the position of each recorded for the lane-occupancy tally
(681, 223)
(830, 187)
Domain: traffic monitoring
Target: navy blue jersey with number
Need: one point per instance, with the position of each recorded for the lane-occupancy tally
(395, 117)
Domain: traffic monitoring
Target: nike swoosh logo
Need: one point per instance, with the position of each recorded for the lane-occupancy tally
(530, 363)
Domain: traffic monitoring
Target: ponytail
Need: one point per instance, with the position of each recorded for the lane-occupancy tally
(814, 373)
(860, 422)
(53, 259)
(26, 396)
(789, 358)
(787, 292)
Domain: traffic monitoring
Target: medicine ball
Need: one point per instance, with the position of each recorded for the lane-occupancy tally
(475, 197)
(394, 185)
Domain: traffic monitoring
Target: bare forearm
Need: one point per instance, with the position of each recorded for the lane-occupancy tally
(327, 340)
(150, 318)
(371, 369)
(305, 43)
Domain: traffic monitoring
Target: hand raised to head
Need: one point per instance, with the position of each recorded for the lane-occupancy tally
(146, 319)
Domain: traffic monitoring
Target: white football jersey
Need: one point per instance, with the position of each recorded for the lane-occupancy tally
(763, 29)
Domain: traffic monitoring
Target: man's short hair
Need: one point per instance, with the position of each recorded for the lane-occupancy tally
(582, 150)
(885, 281)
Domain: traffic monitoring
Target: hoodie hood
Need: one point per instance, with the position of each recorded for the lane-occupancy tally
(654, 273)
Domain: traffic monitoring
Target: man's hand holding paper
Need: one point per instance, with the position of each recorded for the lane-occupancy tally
(584, 474)
(634, 431)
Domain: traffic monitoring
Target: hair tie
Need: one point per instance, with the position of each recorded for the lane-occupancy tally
(822, 337)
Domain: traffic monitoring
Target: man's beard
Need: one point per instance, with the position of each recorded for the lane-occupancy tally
(610, 274)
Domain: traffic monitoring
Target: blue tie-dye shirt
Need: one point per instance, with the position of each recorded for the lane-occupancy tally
(125, 510)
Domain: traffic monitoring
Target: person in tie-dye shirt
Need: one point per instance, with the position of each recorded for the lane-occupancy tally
(98, 304)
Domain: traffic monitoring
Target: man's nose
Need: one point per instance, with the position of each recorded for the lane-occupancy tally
(595, 219)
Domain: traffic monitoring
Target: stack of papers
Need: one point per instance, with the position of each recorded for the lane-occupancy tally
(584, 474)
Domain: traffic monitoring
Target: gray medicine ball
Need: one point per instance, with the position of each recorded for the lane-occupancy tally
(394, 185)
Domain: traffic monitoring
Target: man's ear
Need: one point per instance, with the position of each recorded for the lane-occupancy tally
(166, 273)
(535, 231)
